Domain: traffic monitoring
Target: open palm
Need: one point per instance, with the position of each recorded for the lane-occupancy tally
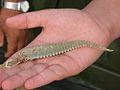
(58, 25)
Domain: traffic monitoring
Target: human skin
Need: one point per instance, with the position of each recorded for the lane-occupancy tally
(16, 39)
(97, 23)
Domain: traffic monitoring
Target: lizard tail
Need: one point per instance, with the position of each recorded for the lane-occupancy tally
(109, 50)
(83, 43)
(104, 48)
(94, 45)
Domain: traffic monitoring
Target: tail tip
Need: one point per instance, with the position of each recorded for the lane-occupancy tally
(109, 50)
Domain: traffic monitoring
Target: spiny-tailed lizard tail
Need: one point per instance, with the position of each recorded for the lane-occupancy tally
(48, 50)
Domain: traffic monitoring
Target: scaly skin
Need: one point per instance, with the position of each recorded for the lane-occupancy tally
(48, 50)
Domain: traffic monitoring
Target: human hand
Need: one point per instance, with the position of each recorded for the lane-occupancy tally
(58, 25)
(16, 39)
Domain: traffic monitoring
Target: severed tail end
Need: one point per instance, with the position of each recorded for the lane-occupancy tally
(109, 50)
(105, 49)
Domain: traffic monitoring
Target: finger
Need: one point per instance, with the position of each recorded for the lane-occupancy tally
(7, 73)
(12, 71)
(19, 78)
(21, 67)
(1, 38)
(3, 76)
(29, 37)
(24, 39)
(11, 47)
(29, 20)
(21, 43)
(50, 74)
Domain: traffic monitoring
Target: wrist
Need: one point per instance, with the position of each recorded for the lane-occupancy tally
(106, 15)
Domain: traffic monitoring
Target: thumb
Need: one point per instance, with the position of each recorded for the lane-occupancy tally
(29, 20)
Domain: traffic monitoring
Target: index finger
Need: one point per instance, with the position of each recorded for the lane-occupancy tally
(29, 20)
